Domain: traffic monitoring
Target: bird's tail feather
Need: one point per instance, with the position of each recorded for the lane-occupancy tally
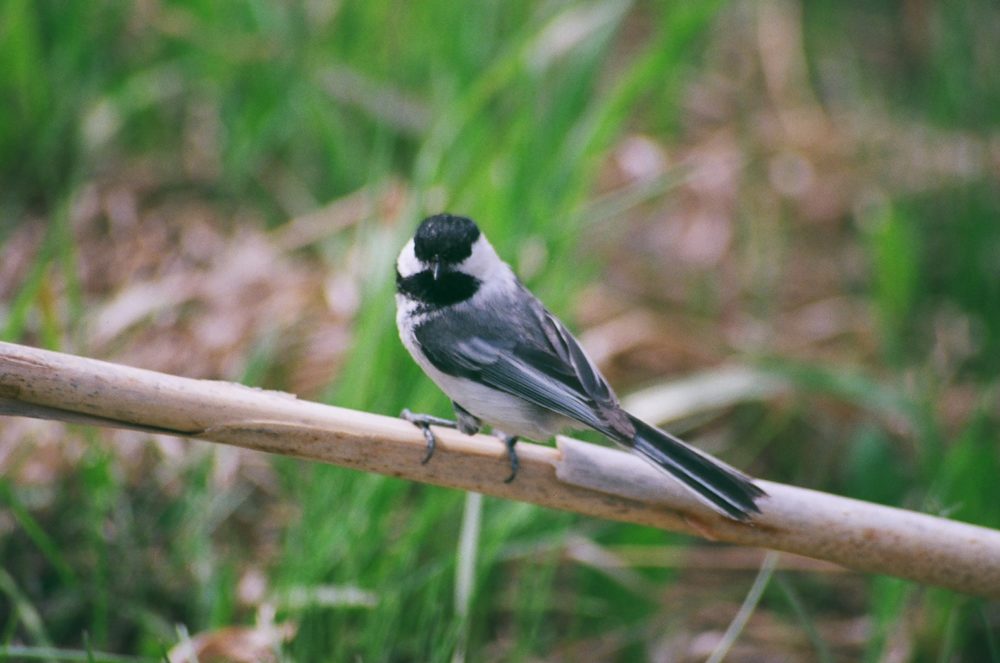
(727, 490)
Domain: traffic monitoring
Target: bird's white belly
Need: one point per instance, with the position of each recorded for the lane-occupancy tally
(512, 415)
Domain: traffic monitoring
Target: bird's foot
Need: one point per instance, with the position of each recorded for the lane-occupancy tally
(515, 464)
(424, 423)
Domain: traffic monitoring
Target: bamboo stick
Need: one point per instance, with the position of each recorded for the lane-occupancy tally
(573, 476)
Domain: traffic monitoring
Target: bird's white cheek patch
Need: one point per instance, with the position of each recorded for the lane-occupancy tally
(408, 264)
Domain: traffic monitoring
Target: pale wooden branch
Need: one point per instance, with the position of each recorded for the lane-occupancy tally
(574, 476)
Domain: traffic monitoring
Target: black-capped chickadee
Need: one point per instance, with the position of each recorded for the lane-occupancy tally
(506, 361)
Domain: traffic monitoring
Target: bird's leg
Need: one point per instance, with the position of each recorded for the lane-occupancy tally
(510, 441)
(466, 423)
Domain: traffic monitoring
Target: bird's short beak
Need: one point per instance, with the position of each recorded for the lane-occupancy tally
(436, 269)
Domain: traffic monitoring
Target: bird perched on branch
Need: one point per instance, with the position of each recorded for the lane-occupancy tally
(504, 360)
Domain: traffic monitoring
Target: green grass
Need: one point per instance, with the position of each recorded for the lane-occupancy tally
(478, 109)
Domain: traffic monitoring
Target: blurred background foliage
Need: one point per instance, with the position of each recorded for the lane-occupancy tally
(219, 189)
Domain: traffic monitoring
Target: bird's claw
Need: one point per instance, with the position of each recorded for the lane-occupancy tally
(431, 443)
(424, 423)
(515, 464)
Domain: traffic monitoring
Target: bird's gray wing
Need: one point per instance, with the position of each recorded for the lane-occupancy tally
(528, 353)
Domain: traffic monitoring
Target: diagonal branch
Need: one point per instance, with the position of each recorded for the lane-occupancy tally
(574, 476)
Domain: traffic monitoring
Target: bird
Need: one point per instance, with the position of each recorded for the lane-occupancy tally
(506, 361)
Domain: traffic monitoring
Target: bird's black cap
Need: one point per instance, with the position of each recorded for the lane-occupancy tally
(445, 238)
